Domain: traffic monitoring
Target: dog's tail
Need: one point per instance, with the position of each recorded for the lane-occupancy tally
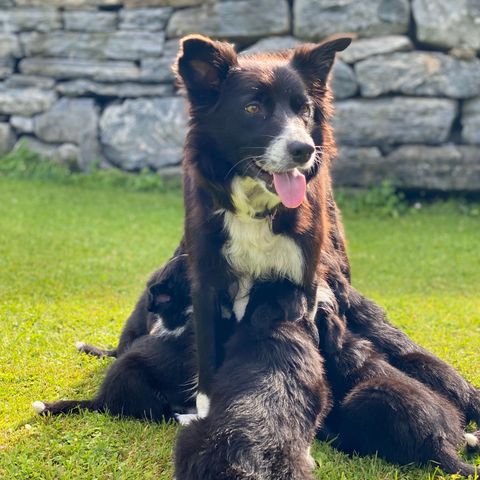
(95, 351)
(64, 406)
(452, 463)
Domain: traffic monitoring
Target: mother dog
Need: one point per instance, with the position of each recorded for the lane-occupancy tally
(257, 179)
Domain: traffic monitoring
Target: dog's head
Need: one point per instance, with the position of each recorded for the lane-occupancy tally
(260, 116)
(168, 293)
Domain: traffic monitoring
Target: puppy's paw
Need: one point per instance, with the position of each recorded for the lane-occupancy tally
(80, 346)
(39, 407)
(186, 418)
(472, 441)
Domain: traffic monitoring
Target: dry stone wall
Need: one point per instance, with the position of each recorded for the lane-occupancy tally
(83, 81)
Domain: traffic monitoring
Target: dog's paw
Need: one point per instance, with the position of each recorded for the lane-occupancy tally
(186, 418)
(39, 407)
(472, 441)
(80, 346)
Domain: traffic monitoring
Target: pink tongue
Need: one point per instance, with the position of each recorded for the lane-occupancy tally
(291, 187)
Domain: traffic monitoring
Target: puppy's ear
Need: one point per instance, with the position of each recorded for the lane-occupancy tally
(314, 62)
(202, 66)
(159, 297)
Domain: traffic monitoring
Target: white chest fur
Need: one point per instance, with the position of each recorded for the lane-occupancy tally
(252, 249)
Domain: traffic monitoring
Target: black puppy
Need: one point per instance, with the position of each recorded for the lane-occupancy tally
(380, 409)
(268, 398)
(167, 290)
(155, 373)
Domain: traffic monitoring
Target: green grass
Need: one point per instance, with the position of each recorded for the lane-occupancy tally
(74, 258)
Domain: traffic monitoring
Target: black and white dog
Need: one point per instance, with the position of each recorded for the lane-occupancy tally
(154, 375)
(256, 178)
(268, 399)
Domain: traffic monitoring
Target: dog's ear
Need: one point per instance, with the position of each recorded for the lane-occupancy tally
(314, 62)
(159, 296)
(202, 66)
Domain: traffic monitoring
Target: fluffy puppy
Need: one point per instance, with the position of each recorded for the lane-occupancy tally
(380, 409)
(155, 375)
(268, 398)
(165, 283)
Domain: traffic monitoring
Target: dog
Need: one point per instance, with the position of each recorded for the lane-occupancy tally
(167, 292)
(256, 178)
(268, 398)
(154, 376)
(380, 409)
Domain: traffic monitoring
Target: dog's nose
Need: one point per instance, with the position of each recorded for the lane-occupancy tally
(300, 151)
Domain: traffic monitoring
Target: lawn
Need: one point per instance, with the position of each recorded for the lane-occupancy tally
(74, 258)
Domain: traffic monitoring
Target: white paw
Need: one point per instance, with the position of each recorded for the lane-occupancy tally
(203, 405)
(38, 406)
(471, 440)
(79, 345)
(186, 418)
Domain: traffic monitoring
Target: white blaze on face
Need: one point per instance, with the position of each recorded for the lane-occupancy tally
(277, 156)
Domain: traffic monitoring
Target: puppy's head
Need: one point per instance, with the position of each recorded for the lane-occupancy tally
(168, 295)
(261, 116)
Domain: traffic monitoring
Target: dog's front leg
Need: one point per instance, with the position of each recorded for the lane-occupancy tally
(207, 315)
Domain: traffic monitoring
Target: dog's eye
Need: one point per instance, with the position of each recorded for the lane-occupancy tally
(253, 108)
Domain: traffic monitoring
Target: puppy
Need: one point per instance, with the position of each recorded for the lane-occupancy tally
(380, 409)
(168, 291)
(155, 373)
(269, 397)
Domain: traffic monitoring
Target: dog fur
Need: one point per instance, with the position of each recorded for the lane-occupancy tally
(268, 398)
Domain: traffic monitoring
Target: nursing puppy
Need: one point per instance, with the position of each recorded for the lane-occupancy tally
(256, 177)
(155, 373)
(268, 399)
(379, 409)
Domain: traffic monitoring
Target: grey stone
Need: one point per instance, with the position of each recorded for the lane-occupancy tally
(29, 81)
(161, 3)
(6, 67)
(240, 20)
(144, 19)
(7, 138)
(160, 69)
(69, 4)
(65, 154)
(22, 124)
(419, 73)
(445, 168)
(20, 19)
(367, 47)
(25, 101)
(270, 44)
(316, 19)
(90, 20)
(447, 23)
(72, 121)
(134, 45)
(65, 68)
(358, 167)
(9, 46)
(471, 121)
(144, 132)
(6, 3)
(344, 83)
(92, 45)
(78, 88)
(390, 121)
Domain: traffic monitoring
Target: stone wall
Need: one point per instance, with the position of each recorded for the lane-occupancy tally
(88, 80)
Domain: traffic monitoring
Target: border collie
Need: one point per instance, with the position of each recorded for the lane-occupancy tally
(155, 373)
(268, 397)
(256, 177)
(379, 409)
(168, 293)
